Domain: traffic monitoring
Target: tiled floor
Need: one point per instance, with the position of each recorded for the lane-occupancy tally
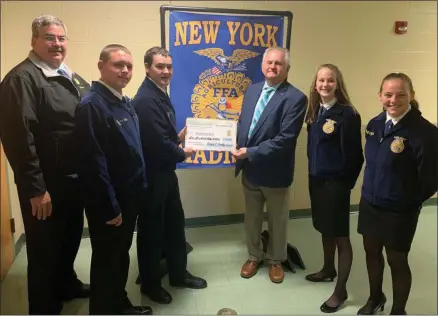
(218, 255)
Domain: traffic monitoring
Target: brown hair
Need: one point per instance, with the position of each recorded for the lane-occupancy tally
(341, 93)
(107, 50)
(398, 75)
(151, 52)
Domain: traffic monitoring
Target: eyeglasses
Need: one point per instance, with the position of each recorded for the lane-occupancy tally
(53, 38)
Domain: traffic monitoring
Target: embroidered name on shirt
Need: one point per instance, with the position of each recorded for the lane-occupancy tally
(120, 122)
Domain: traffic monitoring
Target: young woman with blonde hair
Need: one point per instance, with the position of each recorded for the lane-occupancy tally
(335, 161)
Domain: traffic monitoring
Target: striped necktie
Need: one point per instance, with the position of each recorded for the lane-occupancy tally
(260, 106)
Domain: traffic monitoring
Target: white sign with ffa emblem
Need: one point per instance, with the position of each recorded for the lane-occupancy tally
(211, 134)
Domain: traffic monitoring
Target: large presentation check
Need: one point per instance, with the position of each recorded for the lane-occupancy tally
(211, 134)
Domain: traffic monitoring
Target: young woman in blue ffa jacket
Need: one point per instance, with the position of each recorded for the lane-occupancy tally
(401, 155)
(335, 156)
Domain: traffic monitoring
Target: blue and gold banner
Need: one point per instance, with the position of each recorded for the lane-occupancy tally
(215, 59)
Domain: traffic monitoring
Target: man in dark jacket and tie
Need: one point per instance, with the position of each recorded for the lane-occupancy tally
(161, 222)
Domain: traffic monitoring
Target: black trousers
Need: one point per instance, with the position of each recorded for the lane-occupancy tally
(52, 246)
(110, 258)
(160, 230)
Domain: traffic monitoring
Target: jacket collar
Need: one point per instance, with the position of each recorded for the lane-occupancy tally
(151, 86)
(113, 91)
(329, 104)
(272, 104)
(46, 69)
(105, 92)
(157, 86)
(395, 120)
(410, 118)
(275, 87)
(334, 109)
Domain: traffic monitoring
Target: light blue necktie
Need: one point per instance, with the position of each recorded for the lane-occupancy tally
(63, 73)
(260, 106)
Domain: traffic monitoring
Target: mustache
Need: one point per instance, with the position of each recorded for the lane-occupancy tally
(56, 50)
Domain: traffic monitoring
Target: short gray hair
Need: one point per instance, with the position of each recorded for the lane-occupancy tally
(281, 49)
(43, 21)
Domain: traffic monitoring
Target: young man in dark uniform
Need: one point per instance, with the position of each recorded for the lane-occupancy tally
(161, 222)
(113, 173)
(38, 99)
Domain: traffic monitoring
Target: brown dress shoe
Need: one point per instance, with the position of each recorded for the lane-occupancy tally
(249, 269)
(276, 273)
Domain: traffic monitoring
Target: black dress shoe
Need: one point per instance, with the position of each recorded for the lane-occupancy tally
(190, 282)
(137, 310)
(370, 308)
(82, 291)
(326, 278)
(332, 309)
(158, 295)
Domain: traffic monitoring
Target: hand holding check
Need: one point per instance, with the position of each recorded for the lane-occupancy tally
(188, 151)
(182, 134)
(211, 134)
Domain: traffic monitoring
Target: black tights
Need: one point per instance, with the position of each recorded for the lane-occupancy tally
(345, 259)
(400, 272)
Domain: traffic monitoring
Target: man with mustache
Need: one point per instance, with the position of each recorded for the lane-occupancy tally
(161, 222)
(113, 173)
(38, 98)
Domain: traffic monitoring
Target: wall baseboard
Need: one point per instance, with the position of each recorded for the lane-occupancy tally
(19, 244)
(224, 220)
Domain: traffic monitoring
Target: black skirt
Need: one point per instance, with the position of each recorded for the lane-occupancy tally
(330, 203)
(394, 230)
